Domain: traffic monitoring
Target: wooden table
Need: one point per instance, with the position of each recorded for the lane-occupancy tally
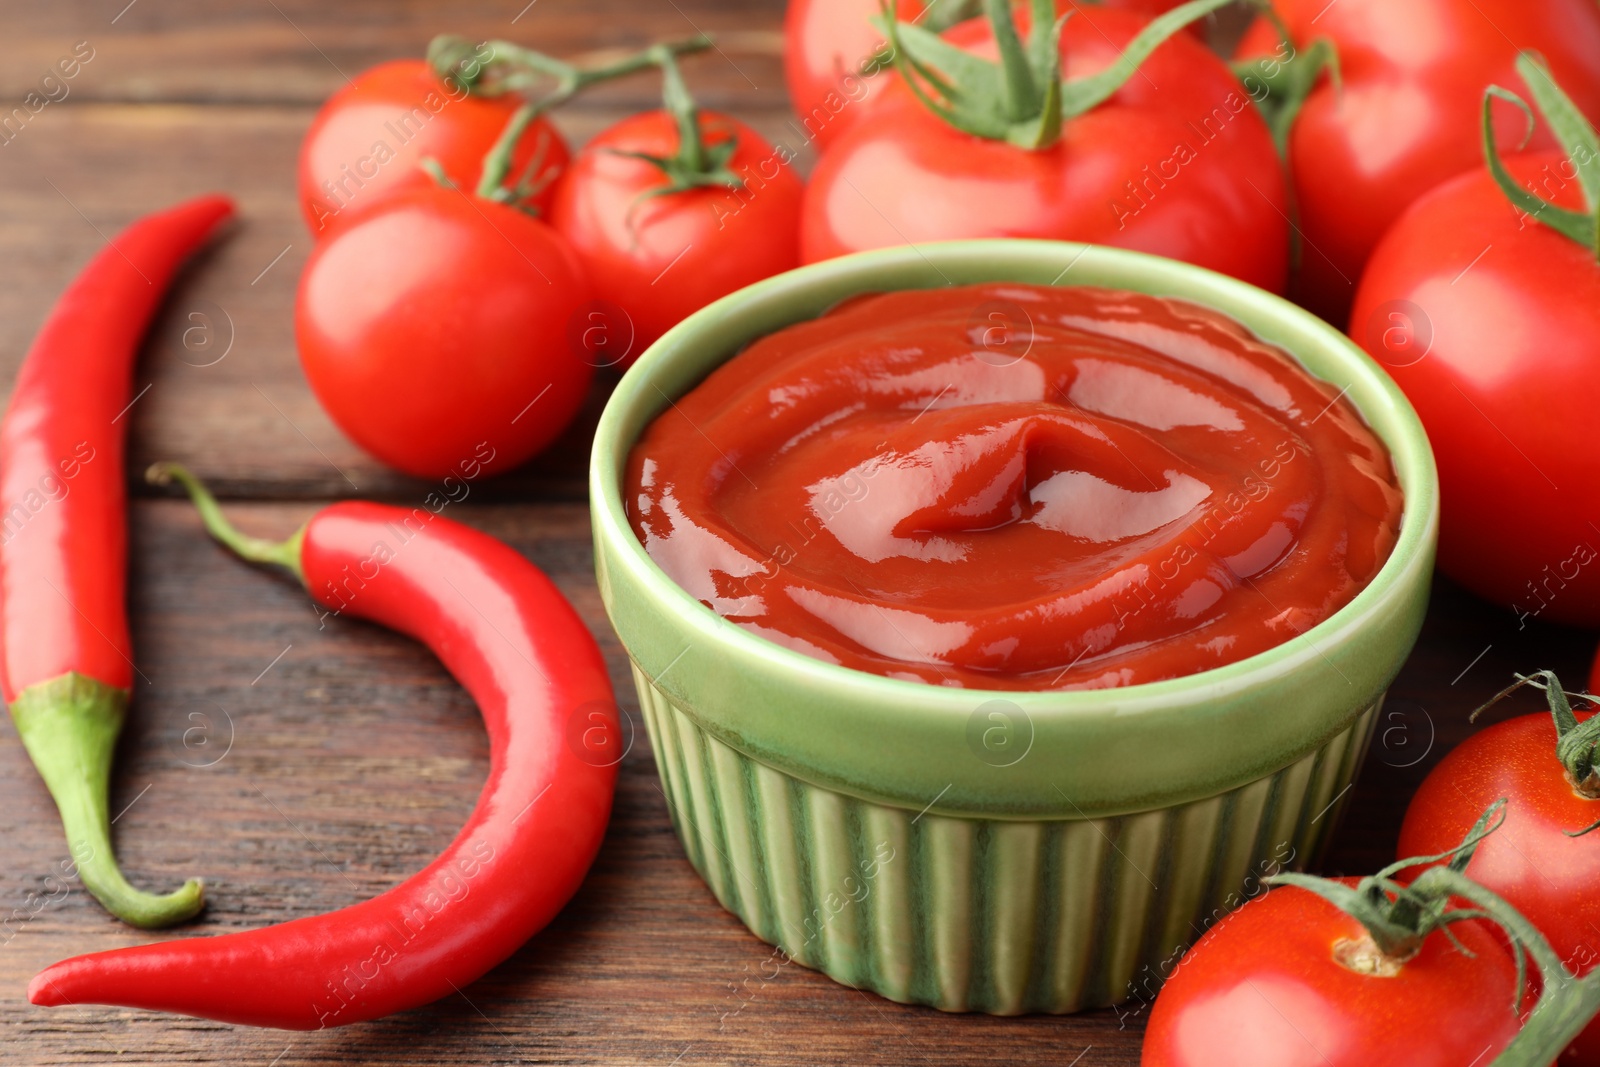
(301, 769)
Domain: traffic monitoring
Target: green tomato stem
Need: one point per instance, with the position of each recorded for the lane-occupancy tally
(498, 67)
(1577, 138)
(1022, 99)
(1399, 918)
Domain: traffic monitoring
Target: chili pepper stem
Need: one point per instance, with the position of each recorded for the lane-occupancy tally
(284, 554)
(69, 726)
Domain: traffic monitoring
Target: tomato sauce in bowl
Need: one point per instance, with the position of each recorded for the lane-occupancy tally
(1011, 486)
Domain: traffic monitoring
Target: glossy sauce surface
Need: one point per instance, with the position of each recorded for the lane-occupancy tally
(1016, 487)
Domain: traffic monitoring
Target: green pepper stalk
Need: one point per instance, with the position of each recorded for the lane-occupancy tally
(67, 653)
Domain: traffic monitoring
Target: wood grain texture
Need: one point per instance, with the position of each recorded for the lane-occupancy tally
(299, 51)
(247, 422)
(352, 760)
(301, 769)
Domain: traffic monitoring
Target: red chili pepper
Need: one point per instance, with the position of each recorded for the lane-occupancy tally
(67, 667)
(508, 635)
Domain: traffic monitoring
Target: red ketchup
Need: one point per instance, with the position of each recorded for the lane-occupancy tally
(1009, 486)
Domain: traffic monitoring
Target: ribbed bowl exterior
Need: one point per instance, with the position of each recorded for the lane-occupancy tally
(989, 915)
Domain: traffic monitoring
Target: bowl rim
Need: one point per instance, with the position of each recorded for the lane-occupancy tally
(1271, 317)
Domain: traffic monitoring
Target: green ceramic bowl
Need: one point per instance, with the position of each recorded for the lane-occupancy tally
(998, 851)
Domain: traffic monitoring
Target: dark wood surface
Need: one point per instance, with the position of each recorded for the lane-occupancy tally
(300, 769)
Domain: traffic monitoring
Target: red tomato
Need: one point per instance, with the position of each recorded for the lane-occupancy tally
(1406, 117)
(1263, 987)
(1491, 324)
(834, 57)
(661, 257)
(1530, 861)
(434, 331)
(370, 137)
(833, 61)
(1178, 162)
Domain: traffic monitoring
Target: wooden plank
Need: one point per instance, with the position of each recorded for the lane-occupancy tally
(299, 51)
(247, 422)
(354, 758)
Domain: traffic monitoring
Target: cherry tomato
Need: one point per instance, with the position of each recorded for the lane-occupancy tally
(370, 138)
(1490, 322)
(1266, 987)
(660, 257)
(835, 60)
(1530, 861)
(1177, 162)
(1406, 116)
(434, 330)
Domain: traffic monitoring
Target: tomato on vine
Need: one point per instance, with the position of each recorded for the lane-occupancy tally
(836, 62)
(1543, 860)
(1100, 127)
(435, 327)
(1395, 116)
(1483, 302)
(372, 136)
(671, 209)
(433, 330)
(1372, 973)
(414, 122)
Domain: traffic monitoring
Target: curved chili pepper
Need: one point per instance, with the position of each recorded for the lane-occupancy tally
(67, 665)
(507, 634)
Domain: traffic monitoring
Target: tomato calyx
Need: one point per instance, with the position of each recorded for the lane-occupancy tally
(1577, 138)
(1285, 86)
(495, 68)
(1576, 742)
(940, 15)
(1021, 99)
(698, 162)
(1398, 918)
